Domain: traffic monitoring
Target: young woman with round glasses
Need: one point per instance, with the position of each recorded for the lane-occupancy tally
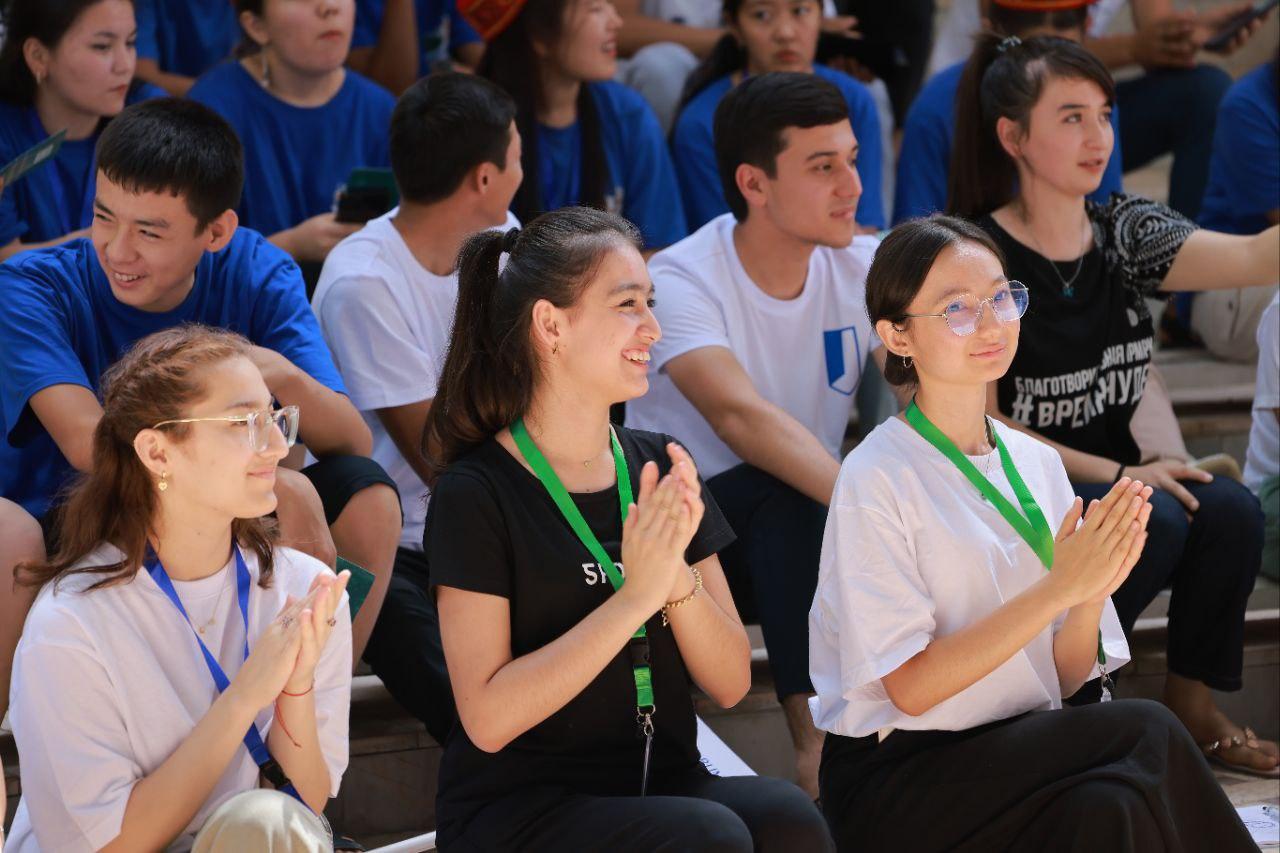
(1032, 137)
(963, 588)
(175, 654)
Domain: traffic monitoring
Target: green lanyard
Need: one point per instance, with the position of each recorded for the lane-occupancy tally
(639, 645)
(1030, 523)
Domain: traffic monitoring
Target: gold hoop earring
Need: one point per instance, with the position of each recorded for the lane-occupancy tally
(164, 481)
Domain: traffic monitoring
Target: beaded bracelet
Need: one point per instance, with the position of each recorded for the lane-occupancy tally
(697, 587)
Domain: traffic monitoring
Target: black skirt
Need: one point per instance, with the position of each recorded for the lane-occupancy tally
(1116, 776)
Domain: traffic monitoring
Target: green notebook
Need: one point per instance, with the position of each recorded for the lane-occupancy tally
(359, 585)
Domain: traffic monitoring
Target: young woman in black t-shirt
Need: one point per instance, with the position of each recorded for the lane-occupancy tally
(569, 716)
(1032, 137)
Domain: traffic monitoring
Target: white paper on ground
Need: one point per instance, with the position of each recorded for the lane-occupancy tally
(1262, 823)
(717, 756)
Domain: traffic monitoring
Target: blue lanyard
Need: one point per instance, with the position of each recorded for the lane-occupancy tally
(253, 741)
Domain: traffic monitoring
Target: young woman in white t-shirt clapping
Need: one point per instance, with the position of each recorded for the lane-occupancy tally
(949, 611)
(174, 654)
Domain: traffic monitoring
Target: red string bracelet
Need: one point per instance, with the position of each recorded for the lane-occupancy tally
(283, 727)
(303, 693)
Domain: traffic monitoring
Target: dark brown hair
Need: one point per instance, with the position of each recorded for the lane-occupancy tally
(491, 368)
(158, 379)
(902, 262)
(47, 21)
(1004, 79)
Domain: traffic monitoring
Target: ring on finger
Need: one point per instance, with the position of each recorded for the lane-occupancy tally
(331, 621)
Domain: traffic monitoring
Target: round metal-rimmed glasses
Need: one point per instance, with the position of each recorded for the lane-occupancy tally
(259, 425)
(964, 313)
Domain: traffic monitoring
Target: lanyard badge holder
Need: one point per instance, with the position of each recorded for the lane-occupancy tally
(639, 643)
(1030, 523)
(253, 741)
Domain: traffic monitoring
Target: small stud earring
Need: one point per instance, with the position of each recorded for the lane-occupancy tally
(907, 361)
(164, 481)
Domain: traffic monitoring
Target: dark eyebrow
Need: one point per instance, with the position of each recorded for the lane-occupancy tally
(152, 223)
(628, 286)
(98, 204)
(815, 155)
(1075, 107)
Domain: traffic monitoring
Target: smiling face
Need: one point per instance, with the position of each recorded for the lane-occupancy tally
(813, 194)
(91, 66)
(778, 35)
(940, 355)
(587, 49)
(311, 37)
(1068, 139)
(149, 244)
(607, 334)
(211, 466)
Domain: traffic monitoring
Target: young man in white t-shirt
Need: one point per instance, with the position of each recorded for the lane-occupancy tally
(386, 302)
(764, 338)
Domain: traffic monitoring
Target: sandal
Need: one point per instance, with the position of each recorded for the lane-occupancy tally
(1213, 751)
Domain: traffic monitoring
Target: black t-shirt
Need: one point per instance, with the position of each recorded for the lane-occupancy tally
(1084, 353)
(493, 528)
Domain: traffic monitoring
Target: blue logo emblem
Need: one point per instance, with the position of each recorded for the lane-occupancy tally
(844, 359)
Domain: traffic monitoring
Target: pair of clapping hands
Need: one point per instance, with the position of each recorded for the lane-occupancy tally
(284, 656)
(1095, 549)
(658, 529)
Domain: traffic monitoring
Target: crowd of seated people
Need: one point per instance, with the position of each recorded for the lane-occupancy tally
(438, 337)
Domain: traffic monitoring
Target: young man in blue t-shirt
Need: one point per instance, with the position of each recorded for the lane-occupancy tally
(925, 159)
(165, 249)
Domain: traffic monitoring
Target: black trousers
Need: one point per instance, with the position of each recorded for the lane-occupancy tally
(1211, 562)
(698, 813)
(405, 649)
(772, 567)
(1118, 776)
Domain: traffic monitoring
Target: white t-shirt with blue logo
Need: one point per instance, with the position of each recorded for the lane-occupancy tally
(805, 354)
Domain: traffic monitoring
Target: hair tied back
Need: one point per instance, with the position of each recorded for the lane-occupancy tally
(1007, 43)
(509, 240)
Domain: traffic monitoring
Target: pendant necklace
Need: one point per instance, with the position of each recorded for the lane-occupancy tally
(1068, 284)
(217, 608)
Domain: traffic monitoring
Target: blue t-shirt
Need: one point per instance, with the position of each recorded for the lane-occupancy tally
(694, 151)
(186, 37)
(61, 324)
(296, 157)
(441, 28)
(925, 159)
(56, 197)
(1244, 170)
(642, 182)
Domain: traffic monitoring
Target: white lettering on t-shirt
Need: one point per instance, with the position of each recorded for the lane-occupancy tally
(1074, 399)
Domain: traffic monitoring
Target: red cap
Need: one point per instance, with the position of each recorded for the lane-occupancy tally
(490, 17)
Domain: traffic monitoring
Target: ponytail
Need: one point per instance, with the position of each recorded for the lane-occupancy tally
(491, 369)
(1004, 78)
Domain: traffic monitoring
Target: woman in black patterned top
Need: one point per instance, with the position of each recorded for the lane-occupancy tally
(1033, 135)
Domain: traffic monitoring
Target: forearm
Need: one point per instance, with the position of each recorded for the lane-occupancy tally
(9, 250)
(641, 30)
(294, 741)
(1075, 646)
(329, 424)
(529, 689)
(714, 647)
(393, 61)
(285, 240)
(951, 664)
(175, 84)
(163, 803)
(776, 443)
(1081, 467)
(1209, 260)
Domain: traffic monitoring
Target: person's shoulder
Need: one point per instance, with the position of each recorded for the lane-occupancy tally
(62, 267)
(854, 90)
(292, 569)
(141, 91)
(873, 471)
(854, 260)
(64, 605)
(1024, 447)
(220, 82)
(687, 257)
(701, 107)
(367, 90)
(362, 260)
(620, 100)
(936, 99)
(249, 260)
(647, 445)
(1252, 96)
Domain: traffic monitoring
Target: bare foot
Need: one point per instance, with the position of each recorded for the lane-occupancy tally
(1235, 746)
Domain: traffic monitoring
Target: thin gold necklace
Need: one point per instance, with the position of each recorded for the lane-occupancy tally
(217, 608)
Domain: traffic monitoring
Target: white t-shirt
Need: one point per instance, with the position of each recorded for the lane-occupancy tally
(804, 355)
(699, 13)
(1263, 459)
(108, 683)
(387, 321)
(912, 551)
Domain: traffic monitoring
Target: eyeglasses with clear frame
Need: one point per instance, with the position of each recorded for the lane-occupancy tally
(964, 313)
(259, 423)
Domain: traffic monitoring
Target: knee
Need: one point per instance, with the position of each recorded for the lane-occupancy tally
(1109, 802)
(786, 819)
(374, 510)
(711, 827)
(1168, 523)
(21, 539)
(1229, 505)
(1205, 85)
(261, 820)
